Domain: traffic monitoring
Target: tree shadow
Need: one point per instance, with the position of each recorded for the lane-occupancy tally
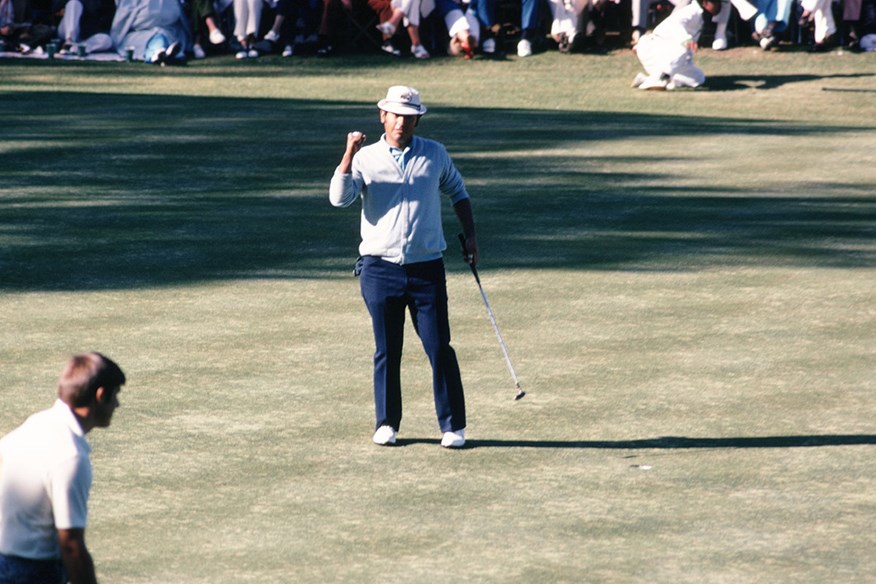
(737, 82)
(118, 191)
(670, 442)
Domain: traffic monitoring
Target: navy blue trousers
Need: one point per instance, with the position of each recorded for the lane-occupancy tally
(389, 291)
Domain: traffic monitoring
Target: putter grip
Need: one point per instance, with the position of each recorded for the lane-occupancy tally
(467, 259)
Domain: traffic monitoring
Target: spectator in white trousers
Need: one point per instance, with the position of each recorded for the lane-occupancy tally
(820, 13)
(247, 19)
(86, 23)
(568, 18)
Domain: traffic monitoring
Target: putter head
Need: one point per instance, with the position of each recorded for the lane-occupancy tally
(520, 394)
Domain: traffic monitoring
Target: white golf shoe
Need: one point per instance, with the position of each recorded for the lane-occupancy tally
(384, 436)
(455, 439)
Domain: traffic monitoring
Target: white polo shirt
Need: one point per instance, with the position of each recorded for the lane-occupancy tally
(45, 478)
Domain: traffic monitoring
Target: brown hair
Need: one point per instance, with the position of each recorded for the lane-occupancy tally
(83, 374)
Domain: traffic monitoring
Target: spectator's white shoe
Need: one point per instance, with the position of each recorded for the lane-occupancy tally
(252, 54)
(241, 54)
(272, 37)
(489, 46)
(386, 28)
(524, 48)
(420, 52)
(164, 55)
(638, 80)
(384, 436)
(216, 37)
(454, 439)
(198, 52)
(388, 48)
(288, 51)
(173, 50)
(719, 44)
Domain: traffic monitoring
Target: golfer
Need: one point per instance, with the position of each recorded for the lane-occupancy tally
(45, 478)
(401, 179)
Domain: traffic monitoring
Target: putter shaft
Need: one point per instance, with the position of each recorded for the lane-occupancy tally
(474, 271)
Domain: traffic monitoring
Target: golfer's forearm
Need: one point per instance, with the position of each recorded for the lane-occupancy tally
(346, 164)
(77, 560)
(465, 214)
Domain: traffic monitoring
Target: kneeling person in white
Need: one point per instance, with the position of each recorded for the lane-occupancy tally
(667, 53)
(45, 478)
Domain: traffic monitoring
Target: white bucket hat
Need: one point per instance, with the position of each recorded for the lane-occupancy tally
(402, 100)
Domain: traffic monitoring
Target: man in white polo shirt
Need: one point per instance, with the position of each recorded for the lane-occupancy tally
(45, 478)
(401, 179)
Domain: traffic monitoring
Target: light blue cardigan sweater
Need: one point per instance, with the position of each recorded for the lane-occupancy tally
(401, 211)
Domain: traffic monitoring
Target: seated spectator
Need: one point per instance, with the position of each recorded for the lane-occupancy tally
(719, 42)
(294, 26)
(564, 26)
(247, 20)
(771, 20)
(721, 20)
(324, 46)
(407, 12)
(667, 53)
(469, 25)
(85, 22)
(529, 26)
(639, 20)
(569, 18)
(854, 16)
(203, 19)
(157, 31)
(820, 14)
(20, 29)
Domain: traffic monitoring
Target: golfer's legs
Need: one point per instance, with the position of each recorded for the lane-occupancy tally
(382, 285)
(428, 292)
(14, 570)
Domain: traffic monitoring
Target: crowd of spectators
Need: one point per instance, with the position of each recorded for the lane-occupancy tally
(166, 31)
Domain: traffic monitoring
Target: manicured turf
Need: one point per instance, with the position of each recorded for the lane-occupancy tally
(685, 282)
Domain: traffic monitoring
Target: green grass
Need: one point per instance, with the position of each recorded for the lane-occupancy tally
(685, 282)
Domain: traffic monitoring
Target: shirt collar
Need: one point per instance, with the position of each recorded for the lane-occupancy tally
(64, 412)
(391, 148)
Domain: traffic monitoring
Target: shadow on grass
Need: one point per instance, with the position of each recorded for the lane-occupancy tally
(112, 191)
(670, 442)
(737, 82)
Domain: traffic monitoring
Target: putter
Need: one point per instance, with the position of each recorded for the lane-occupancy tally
(474, 271)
